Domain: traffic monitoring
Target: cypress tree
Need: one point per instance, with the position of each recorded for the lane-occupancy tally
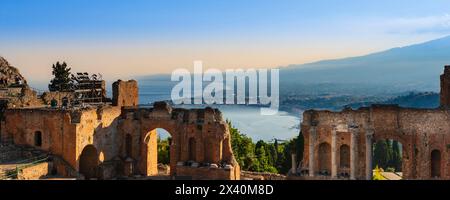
(396, 156)
(380, 154)
(389, 154)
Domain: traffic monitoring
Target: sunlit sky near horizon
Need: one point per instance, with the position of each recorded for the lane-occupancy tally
(140, 37)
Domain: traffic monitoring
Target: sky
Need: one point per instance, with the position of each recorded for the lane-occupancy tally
(124, 39)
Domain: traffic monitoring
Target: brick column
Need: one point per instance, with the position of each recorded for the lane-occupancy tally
(333, 152)
(353, 151)
(369, 153)
(312, 140)
(294, 163)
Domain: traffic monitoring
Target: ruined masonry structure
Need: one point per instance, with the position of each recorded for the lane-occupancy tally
(445, 88)
(339, 144)
(116, 140)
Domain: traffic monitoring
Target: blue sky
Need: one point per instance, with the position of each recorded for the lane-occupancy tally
(177, 19)
(158, 36)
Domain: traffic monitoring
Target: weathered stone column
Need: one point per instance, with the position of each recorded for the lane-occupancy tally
(353, 151)
(312, 140)
(294, 164)
(333, 152)
(369, 151)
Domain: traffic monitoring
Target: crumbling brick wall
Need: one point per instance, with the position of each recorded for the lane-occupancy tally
(420, 131)
(47, 97)
(34, 172)
(67, 133)
(200, 141)
(445, 87)
(125, 93)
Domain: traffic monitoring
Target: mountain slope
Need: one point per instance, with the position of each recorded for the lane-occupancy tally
(388, 73)
(415, 67)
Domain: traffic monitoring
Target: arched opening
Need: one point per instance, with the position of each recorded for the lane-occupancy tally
(344, 156)
(164, 143)
(435, 164)
(156, 153)
(324, 159)
(128, 145)
(344, 161)
(38, 139)
(88, 162)
(192, 150)
(387, 160)
(208, 152)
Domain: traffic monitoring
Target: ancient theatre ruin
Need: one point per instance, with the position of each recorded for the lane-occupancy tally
(338, 145)
(108, 139)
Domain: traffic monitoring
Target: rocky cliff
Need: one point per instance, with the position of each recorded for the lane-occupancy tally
(9, 75)
(14, 90)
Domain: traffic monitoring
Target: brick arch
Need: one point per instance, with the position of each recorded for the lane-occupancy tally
(344, 156)
(89, 162)
(128, 145)
(203, 127)
(148, 164)
(324, 154)
(38, 138)
(192, 148)
(407, 150)
(436, 163)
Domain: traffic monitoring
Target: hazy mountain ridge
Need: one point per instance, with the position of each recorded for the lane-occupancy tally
(406, 76)
(415, 67)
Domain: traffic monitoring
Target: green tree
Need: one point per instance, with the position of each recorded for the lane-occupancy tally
(380, 154)
(396, 156)
(273, 154)
(263, 156)
(288, 149)
(164, 151)
(243, 149)
(264, 159)
(389, 154)
(276, 152)
(61, 78)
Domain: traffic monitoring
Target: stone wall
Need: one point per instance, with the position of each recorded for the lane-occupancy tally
(445, 87)
(20, 97)
(9, 152)
(420, 131)
(200, 137)
(55, 128)
(125, 93)
(63, 168)
(64, 132)
(207, 173)
(47, 97)
(247, 175)
(98, 127)
(93, 140)
(34, 172)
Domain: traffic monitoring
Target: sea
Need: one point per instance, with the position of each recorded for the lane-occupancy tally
(247, 119)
